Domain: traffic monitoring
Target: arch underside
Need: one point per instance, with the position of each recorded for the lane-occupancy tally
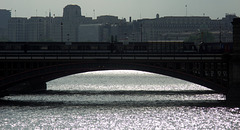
(49, 73)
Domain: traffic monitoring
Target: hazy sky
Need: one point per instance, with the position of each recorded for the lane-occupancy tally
(125, 8)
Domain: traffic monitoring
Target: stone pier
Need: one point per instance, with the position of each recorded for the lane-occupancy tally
(233, 96)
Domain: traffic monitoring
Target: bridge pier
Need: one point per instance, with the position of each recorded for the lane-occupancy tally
(233, 96)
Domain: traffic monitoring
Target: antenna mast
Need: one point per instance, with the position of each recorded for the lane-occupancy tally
(186, 10)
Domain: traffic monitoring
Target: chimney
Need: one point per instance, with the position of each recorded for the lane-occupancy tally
(157, 16)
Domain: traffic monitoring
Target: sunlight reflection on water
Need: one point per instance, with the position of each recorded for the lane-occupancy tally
(119, 100)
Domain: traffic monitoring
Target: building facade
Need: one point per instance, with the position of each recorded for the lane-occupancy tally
(71, 20)
(17, 29)
(5, 15)
(90, 33)
(180, 28)
(72, 25)
(36, 29)
(56, 29)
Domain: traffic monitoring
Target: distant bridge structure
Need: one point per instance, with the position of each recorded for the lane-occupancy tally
(29, 68)
(26, 67)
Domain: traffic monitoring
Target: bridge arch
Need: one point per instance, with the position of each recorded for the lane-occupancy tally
(48, 73)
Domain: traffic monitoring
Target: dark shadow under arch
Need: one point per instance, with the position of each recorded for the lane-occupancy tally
(49, 73)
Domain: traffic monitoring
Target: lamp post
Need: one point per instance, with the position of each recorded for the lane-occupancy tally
(220, 34)
(141, 31)
(68, 37)
(186, 6)
(61, 32)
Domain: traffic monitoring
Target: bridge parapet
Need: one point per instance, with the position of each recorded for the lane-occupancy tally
(73, 56)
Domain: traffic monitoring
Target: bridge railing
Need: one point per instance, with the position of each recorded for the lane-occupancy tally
(135, 56)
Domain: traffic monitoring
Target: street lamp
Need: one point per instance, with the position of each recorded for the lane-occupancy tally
(61, 32)
(141, 31)
(68, 37)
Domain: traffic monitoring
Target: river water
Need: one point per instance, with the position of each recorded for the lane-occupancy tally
(119, 100)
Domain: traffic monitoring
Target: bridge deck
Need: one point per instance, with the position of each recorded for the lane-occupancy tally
(112, 56)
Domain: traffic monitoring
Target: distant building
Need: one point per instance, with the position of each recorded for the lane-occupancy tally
(172, 28)
(108, 19)
(179, 28)
(56, 29)
(17, 28)
(74, 27)
(5, 15)
(71, 20)
(36, 29)
(90, 33)
(71, 12)
(49, 24)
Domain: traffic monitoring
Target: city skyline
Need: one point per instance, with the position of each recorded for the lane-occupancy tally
(68, 27)
(125, 9)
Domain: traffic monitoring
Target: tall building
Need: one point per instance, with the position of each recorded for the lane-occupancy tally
(72, 12)
(71, 20)
(5, 15)
(17, 28)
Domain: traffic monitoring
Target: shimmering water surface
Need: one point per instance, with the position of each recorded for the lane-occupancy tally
(119, 100)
